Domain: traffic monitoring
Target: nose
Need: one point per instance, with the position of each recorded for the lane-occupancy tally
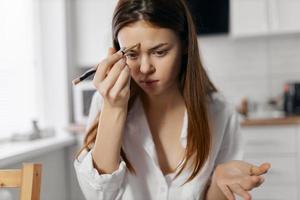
(146, 66)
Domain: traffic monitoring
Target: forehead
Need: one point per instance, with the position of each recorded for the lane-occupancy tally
(145, 33)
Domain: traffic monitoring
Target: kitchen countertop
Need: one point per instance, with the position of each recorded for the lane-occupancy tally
(13, 152)
(292, 120)
(262, 121)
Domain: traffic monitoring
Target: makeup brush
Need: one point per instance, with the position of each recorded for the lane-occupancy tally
(94, 69)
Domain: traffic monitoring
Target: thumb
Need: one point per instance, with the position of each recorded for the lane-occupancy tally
(262, 169)
(111, 51)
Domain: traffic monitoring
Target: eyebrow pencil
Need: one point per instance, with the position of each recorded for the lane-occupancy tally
(94, 69)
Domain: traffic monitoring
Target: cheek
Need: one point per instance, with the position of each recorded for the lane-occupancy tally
(134, 73)
(170, 67)
(133, 64)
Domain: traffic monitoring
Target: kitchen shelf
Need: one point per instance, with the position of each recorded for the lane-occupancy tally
(292, 120)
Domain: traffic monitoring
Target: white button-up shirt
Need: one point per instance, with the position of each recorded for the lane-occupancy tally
(149, 181)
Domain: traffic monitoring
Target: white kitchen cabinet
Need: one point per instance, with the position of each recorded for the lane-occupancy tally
(279, 145)
(249, 17)
(288, 15)
(264, 17)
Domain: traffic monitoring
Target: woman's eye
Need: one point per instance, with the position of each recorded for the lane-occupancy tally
(131, 56)
(160, 53)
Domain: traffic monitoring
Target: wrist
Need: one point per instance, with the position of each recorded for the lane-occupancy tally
(213, 191)
(118, 109)
(113, 114)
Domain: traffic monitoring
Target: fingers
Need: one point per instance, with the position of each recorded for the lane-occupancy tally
(239, 177)
(106, 64)
(112, 77)
(111, 51)
(250, 182)
(112, 59)
(115, 71)
(241, 188)
(265, 166)
(258, 180)
(121, 82)
(236, 188)
(262, 169)
(226, 191)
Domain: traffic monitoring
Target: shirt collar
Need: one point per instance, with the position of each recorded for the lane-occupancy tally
(137, 110)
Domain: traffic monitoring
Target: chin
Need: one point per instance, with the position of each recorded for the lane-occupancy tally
(152, 93)
(155, 92)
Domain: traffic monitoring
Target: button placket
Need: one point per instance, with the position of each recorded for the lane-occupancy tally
(163, 190)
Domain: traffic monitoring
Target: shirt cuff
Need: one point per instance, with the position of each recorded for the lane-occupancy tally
(107, 182)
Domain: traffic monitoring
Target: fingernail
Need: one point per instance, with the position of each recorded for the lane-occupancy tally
(262, 179)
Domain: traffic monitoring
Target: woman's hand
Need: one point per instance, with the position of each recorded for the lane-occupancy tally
(112, 80)
(238, 177)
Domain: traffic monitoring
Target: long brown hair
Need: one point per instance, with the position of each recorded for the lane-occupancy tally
(194, 83)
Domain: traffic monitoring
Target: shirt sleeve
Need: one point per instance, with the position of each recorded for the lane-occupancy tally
(97, 186)
(231, 146)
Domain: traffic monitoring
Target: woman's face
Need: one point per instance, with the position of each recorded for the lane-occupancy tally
(157, 59)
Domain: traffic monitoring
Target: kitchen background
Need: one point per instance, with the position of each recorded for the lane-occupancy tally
(250, 57)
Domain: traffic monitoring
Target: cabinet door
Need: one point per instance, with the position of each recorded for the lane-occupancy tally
(283, 169)
(288, 15)
(270, 140)
(281, 179)
(277, 145)
(273, 193)
(249, 17)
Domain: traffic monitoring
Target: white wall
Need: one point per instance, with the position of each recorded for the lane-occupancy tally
(93, 30)
(253, 67)
(54, 62)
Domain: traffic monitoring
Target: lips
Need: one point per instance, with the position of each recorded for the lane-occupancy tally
(149, 81)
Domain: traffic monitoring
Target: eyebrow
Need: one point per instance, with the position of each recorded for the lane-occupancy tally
(157, 46)
(153, 48)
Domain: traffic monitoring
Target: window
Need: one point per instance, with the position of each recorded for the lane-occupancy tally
(18, 86)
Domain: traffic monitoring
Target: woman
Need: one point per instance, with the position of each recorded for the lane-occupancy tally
(158, 128)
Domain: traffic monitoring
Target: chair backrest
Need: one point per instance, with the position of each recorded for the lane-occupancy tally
(28, 179)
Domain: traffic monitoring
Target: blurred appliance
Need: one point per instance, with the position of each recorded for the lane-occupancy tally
(82, 94)
(210, 16)
(292, 98)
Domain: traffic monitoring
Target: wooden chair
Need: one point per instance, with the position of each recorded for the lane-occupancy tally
(28, 179)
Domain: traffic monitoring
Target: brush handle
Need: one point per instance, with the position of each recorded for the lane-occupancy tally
(94, 69)
(84, 76)
(88, 73)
